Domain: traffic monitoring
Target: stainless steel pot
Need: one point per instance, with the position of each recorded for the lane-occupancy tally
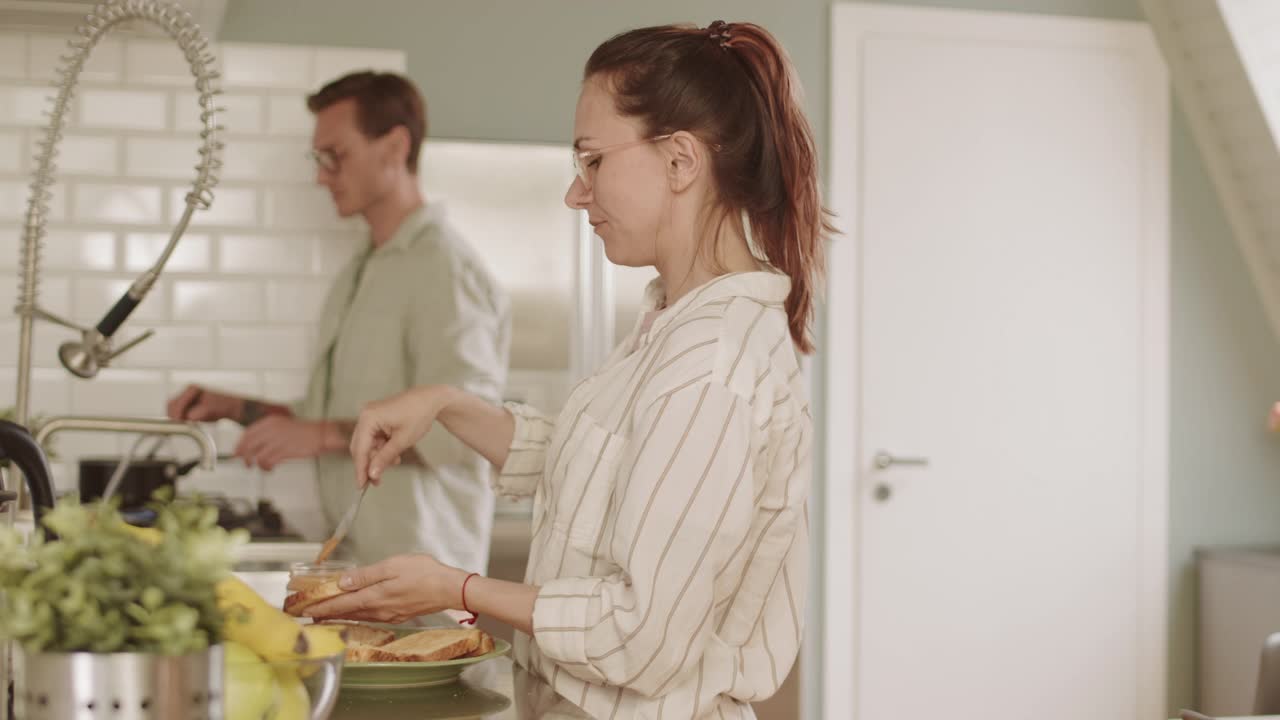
(118, 686)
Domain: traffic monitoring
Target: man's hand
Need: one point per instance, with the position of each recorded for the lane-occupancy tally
(277, 438)
(201, 405)
(395, 590)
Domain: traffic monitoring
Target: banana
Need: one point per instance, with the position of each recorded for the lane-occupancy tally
(324, 641)
(250, 620)
(247, 618)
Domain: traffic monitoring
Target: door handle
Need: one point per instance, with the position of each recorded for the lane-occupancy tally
(884, 460)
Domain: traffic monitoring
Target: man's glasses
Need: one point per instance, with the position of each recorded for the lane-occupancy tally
(326, 160)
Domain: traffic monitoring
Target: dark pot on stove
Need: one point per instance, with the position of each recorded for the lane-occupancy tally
(141, 479)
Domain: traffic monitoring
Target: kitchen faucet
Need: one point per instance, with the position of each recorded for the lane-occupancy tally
(145, 426)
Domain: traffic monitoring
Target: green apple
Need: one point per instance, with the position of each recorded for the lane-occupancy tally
(292, 699)
(251, 687)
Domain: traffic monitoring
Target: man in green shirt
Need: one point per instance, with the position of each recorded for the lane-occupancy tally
(416, 305)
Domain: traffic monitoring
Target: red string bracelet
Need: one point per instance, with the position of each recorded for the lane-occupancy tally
(471, 620)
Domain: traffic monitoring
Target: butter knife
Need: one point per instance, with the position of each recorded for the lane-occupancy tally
(344, 526)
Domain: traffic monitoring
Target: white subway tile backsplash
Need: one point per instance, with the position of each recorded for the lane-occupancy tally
(50, 389)
(217, 301)
(124, 109)
(231, 206)
(241, 113)
(13, 200)
(288, 115)
(170, 347)
(89, 155)
(263, 348)
(266, 66)
(53, 293)
(142, 250)
(14, 196)
(156, 62)
(295, 300)
(10, 241)
(25, 105)
(309, 207)
(117, 203)
(95, 295)
(236, 383)
(77, 250)
(333, 63)
(13, 56)
(115, 391)
(269, 160)
(13, 151)
(161, 158)
(44, 350)
(264, 254)
(46, 52)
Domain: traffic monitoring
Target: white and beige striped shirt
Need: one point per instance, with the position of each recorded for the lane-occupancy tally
(670, 538)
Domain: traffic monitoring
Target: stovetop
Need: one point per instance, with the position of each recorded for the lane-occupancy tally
(260, 517)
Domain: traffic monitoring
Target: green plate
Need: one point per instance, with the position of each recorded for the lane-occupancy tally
(390, 675)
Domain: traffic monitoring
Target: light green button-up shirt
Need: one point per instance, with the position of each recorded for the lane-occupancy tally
(421, 309)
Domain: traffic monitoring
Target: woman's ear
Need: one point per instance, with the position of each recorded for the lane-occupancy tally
(684, 160)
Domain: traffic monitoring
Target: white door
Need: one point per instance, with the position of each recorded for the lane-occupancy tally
(998, 315)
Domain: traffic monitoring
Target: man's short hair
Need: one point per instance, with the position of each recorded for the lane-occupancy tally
(383, 101)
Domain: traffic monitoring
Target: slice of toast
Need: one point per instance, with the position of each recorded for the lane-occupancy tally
(303, 599)
(361, 634)
(485, 647)
(359, 652)
(427, 646)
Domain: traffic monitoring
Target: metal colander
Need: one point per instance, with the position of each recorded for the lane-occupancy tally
(118, 686)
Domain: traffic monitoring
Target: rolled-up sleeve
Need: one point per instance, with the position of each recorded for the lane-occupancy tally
(685, 502)
(459, 335)
(527, 456)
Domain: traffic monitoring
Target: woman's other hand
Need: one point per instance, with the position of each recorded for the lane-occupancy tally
(394, 591)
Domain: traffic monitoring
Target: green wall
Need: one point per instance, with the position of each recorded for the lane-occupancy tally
(509, 70)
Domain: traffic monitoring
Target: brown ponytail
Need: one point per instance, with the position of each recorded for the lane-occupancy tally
(733, 86)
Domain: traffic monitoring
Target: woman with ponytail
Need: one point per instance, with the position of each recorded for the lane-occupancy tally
(670, 538)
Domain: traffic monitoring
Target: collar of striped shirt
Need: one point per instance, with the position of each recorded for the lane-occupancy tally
(768, 287)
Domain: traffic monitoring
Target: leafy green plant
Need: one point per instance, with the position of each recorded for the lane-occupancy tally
(97, 588)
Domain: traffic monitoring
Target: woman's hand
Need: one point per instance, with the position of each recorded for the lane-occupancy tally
(387, 428)
(395, 590)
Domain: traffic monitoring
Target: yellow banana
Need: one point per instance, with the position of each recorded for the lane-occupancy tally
(251, 621)
(324, 641)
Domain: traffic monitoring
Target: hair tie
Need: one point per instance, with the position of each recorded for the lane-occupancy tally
(719, 31)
